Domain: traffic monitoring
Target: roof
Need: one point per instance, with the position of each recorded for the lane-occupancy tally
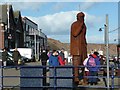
(16, 14)
(3, 12)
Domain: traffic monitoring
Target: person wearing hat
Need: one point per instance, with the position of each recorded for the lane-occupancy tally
(78, 44)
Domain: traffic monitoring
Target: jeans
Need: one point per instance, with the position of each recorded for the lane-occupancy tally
(92, 79)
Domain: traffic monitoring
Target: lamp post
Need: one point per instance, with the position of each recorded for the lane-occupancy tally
(106, 39)
(107, 49)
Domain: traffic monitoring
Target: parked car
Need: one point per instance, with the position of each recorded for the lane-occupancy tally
(9, 59)
(26, 53)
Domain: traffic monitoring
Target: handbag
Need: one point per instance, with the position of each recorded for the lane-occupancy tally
(19, 62)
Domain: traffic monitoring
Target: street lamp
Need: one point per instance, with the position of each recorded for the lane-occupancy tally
(2, 25)
(106, 39)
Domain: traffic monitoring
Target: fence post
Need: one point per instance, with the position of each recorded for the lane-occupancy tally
(55, 79)
(118, 74)
(112, 77)
(1, 73)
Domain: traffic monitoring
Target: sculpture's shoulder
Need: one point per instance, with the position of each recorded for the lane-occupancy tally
(75, 23)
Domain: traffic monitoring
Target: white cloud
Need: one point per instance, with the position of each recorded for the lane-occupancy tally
(95, 39)
(92, 20)
(60, 23)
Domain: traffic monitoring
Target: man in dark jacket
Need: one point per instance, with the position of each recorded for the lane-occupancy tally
(44, 58)
(16, 56)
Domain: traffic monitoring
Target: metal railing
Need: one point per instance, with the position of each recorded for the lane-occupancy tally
(56, 78)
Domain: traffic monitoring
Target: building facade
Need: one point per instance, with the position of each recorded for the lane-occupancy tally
(19, 32)
(34, 38)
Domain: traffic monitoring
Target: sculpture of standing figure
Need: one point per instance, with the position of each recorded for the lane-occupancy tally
(78, 44)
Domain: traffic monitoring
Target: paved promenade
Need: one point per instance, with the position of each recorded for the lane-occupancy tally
(16, 81)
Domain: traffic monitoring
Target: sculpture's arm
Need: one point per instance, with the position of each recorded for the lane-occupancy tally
(76, 30)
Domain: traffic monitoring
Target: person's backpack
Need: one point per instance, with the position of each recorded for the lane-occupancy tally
(91, 62)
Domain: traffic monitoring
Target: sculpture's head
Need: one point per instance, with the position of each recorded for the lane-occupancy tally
(80, 16)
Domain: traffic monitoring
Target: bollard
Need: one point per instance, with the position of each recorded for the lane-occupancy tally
(112, 77)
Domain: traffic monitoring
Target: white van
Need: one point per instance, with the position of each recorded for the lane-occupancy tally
(27, 53)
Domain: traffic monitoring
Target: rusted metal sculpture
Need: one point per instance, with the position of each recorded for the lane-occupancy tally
(78, 44)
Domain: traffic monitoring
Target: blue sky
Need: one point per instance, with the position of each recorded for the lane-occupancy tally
(55, 17)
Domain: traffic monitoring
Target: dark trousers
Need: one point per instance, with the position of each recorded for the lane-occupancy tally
(92, 79)
(44, 74)
(16, 65)
(104, 79)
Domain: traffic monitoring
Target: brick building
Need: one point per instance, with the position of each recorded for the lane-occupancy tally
(11, 29)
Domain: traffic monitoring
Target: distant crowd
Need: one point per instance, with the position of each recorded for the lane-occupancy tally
(92, 64)
(55, 58)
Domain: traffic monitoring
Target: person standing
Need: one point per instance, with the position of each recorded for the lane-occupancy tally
(62, 56)
(53, 59)
(16, 56)
(4, 57)
(44, 58)
(93, 65)
(78, 44)
(66, 57)
(86, 71)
